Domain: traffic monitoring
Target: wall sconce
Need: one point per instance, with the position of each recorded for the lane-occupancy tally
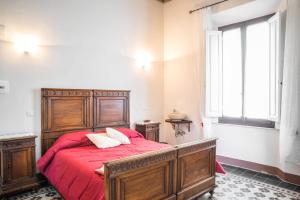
(143, 59)
(26, 43)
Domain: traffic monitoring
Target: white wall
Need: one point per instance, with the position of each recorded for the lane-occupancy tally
(84, 44)
(180, 80)
(247, 143)
(258, 145)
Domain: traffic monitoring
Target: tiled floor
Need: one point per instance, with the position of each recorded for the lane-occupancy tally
(237, 184)
(265, 178)
(243, 184)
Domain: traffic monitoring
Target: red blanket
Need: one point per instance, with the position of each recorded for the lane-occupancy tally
(71, 162)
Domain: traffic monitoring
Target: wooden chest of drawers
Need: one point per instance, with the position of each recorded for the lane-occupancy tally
(17, 161)
(149, 130)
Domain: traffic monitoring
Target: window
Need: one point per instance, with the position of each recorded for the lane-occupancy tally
(242, 72)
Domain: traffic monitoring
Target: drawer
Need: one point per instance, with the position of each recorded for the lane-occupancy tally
(152, 127)
(151, 136)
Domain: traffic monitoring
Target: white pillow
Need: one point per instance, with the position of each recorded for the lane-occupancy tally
(117, 135)
(102, 141)
(100, 170)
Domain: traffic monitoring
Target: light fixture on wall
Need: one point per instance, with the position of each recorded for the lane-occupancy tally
(143, 59)
(26, 43)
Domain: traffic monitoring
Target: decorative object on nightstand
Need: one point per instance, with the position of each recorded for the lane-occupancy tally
(176, 119)
(18, 169)
(149, 129)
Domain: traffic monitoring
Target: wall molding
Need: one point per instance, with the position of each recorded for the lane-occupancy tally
(295, 179)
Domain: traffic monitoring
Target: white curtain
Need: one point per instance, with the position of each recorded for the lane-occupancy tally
(290, 110)
(202, 23)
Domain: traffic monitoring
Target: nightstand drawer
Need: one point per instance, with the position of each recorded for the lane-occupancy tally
(151, 136)
(152, 128)
(149, 130)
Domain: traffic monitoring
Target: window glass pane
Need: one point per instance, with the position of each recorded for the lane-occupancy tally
(232, 73)
(257, 71)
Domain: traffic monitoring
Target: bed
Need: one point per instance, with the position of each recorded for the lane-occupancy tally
(141, 170)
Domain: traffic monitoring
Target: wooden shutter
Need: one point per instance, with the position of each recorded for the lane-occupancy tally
(275, 69)
(213, 66)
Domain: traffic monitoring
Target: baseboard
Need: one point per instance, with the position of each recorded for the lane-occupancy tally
(261, 168)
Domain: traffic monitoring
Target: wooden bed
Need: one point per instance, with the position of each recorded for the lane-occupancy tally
(183, 172)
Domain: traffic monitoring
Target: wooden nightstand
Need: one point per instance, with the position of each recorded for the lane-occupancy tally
(17, 161)
(149, 130)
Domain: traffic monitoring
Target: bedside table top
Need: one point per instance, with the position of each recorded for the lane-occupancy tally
(18, 136)
(146, 123)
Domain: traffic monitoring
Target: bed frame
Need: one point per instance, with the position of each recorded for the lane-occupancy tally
(182, 172)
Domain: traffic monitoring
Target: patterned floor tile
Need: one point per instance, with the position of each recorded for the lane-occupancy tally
(229, 187)
(45, 193)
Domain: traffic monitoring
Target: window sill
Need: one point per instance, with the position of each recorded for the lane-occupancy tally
(214, 121)
(247, 122)
(244, 126)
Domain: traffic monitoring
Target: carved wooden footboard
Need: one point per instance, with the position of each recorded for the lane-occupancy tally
(196, 169)
(184, 172)
(144, 177)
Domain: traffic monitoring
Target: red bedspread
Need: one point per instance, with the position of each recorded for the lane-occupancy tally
(70, 163)
(71, 169)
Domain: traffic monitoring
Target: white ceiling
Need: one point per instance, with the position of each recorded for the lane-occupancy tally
(249, 10)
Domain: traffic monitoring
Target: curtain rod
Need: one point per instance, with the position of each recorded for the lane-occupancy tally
(191, 11)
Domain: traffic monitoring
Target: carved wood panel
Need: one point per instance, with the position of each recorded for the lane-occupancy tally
(20, 157)
(131, 185)
(196, 169)
(67, 113)
(152, 135)
(111, 108)
(148, 176)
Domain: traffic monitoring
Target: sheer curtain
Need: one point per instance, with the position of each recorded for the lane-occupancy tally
(203, 22)
(290, 110)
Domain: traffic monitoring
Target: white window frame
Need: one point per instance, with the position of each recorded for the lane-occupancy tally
(214, 110)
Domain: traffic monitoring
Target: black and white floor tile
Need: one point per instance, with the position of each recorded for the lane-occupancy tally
(233, 187)
(45, 193)
(237, 184)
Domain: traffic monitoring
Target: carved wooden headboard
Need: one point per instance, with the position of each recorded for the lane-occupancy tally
(66, 110)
